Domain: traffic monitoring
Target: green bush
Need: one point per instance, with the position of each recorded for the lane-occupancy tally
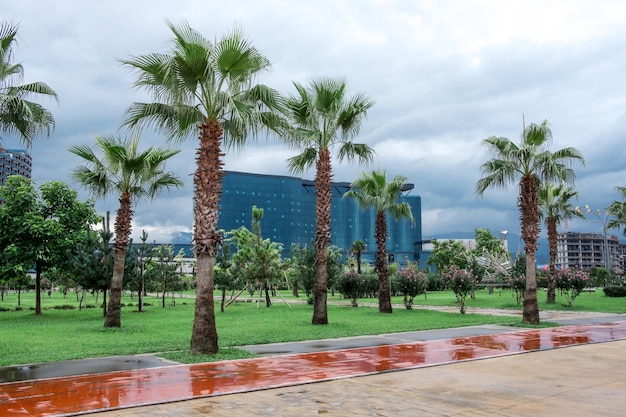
(64, 307)
(615, 291)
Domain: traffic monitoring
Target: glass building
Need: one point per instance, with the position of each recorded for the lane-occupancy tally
(289, 214)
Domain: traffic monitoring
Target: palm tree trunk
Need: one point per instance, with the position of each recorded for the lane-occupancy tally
(552, 242)
(384, 291)
(322, 236)
(530, 219)
(122, 234)
(208, 190)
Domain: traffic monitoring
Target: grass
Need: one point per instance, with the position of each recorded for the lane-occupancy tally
(60, 334)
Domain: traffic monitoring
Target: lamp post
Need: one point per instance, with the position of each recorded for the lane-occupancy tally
(604, 218)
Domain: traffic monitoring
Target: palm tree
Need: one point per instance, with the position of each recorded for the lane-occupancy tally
(555, 205)
(320, 117)
(617, 209)
(533, 163)
(131, 175)
(358, 246)
(207, 90)
(17, 114)
(373, 191)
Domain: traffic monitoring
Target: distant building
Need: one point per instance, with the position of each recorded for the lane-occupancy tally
(14, 162)
(589, 250)
(289, 214)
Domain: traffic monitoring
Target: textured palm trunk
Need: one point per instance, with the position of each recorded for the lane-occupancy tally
(382, 268)
(322, 237)
(113, 316)
(208, 190)
(551, 298)
(530, 218)
(358, 262)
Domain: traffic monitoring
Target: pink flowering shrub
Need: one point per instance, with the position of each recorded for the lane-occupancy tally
(410, 282)
(462, 282)
(571, 282)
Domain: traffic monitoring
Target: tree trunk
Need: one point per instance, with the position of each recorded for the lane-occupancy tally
(122, 233)
(322, 237)
(384, 290)
(530, 219)
(208, 190)
(552, 245)
(38, 289)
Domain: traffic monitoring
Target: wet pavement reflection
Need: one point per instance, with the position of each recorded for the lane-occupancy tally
(121, 389)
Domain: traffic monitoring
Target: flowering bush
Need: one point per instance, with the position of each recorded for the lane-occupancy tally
(462, 282)
(410, 282)
(351, 285)
(518, 285)
(571, 282)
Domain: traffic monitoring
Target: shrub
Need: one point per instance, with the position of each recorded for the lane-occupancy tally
(462, 282)
(571, 282)
(410, 282)
(518, 285)
(615, 291)
(64, 307)
(351, 286)
(435, 282)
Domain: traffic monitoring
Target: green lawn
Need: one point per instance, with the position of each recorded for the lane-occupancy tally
(60, 334)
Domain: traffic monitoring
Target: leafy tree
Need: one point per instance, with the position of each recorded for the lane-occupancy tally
(258, 260)
(164, 255)
(373, 191)
(304, 270)
(532, 162)
(319, 117)
(207, 89)
(92, 263)
(18, 114)
(358, 246)
(448, 253)
(556, 206)
(42, 228)
(124, 171)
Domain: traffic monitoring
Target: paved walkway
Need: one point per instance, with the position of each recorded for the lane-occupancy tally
(587, 378)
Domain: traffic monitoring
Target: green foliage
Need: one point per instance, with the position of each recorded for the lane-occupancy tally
(303, 271)
(518, 285)
(571, 282)
(615, 291)
(462, 282)
(447, 254)
(410, 282)
(351, 285)
(17, 113)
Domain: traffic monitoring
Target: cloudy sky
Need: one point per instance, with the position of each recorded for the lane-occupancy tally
(444, 74)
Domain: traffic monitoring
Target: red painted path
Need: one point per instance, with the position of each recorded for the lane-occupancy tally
(109, 391)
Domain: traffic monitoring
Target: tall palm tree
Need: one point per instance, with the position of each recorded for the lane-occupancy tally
(124, 171)
(373, 191)
(556, 206)
(358, 246)
(533, 163)
(205, 89)
(321, 116)
(17, 114)
(617, 209)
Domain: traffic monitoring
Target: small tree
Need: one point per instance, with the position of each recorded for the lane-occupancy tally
(351, 286)
(410, 282)
(571, 282)
(462, 282)
(258, 260)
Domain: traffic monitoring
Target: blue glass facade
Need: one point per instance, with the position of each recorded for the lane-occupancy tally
(289, 214)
